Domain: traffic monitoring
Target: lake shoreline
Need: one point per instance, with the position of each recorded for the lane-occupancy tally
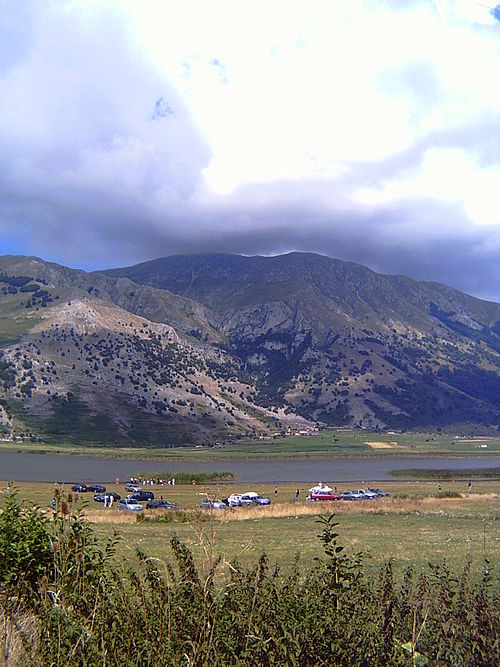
(204, 457)
(24, 466)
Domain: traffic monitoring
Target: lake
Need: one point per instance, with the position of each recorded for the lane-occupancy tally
(17, 466)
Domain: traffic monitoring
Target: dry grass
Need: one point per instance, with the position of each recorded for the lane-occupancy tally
(381, 444)
(381, 505)
(393, 505)
(13, 629)
(109, 516)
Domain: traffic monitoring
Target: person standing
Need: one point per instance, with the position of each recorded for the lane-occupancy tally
(297, 495)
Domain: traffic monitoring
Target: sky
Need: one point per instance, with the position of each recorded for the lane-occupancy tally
(360, 129)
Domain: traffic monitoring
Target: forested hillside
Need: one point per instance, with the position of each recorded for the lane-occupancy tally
(215, 347)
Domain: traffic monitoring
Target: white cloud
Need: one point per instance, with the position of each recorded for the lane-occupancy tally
(447, 175)
(129, 129)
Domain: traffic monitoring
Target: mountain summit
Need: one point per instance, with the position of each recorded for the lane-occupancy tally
(198, 348)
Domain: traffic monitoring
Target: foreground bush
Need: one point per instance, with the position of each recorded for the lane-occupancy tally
(84, 611)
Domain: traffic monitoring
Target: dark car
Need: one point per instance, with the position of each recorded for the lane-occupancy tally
(380, 493)
(96, 488)
(160, 505)
(79, 488)
(100, 497)
(142, 495)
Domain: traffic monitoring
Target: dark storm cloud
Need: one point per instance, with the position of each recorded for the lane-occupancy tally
(102, 165)
(391, 241)
(426, 240)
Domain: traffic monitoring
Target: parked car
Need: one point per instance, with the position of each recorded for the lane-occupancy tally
(142, 495)
(351, 495)
(97, 488)
(99, 497)
(129, 504)
(380, 493)
(234, 500)
(262, 500)
(161, 505)
(209, 504)
(322, 495)
(251, 498)
(248, 498)
(79, 488)
(367, 494)
(132, 488)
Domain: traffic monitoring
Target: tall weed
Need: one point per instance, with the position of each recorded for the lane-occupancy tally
(89, 610)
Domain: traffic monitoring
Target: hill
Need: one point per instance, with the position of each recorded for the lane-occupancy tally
(203, 348)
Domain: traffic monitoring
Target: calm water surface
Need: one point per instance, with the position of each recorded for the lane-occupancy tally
(51, 468)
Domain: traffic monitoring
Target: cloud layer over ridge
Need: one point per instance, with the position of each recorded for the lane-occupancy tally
(365, 130)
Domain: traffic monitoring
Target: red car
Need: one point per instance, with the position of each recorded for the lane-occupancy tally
(323, 495)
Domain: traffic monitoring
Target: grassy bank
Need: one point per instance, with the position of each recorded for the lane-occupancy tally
(328, 443)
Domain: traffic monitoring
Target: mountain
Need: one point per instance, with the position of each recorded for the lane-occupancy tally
(202, 348)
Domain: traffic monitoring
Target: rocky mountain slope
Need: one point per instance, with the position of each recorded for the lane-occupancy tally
(205, 348)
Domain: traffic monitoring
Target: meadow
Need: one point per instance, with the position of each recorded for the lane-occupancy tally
(417, 524)
(407, 579)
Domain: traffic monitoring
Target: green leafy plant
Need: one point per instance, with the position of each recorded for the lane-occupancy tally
(88, 610)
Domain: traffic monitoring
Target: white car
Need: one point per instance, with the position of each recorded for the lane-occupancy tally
(132, 488)
(234, 500)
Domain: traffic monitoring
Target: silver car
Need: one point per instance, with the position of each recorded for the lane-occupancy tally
(209, 504)
(129, 504)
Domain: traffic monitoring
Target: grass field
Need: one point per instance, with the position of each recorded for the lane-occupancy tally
(12, 325)
(330, 442)
(416, 525)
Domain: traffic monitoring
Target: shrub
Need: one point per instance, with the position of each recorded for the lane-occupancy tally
(90, 612)
(25, 545)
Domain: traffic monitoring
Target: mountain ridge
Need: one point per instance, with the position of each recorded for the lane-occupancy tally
(247, 346)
